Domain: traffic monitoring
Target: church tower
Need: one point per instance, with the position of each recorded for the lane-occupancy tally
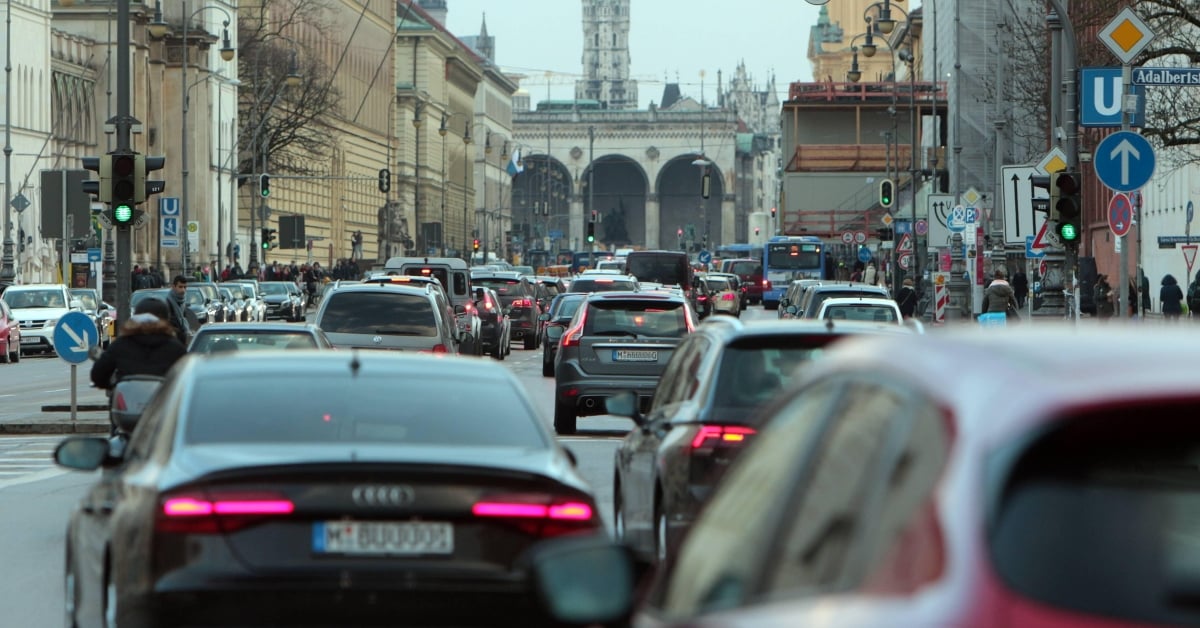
(606, 55)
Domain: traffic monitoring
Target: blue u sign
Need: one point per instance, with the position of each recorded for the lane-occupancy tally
(1100, 99)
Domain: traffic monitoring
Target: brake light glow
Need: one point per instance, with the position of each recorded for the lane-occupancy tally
(193, 507)
(720, 433)
(522, 303)
(728, 296)
(766, 284)
(120, 402)
(567, 511)
(216, 514)
(702, 298)
(574, 334)
(399, 279)
(440, 348)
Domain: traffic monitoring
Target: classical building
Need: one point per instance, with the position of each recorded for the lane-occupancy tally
(840, 27)
(453, 117)
(758, 146)
(606, 55)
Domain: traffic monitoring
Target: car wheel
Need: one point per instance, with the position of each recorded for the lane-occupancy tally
(565, 418)
(498, 350)
(547, 365)
(660, 529)
(70, 593)
(6, 357)
(530, 342)
(110, 600)
(16, 355)
(618, 513)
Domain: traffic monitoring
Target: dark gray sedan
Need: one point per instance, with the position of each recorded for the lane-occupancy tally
(257, 337)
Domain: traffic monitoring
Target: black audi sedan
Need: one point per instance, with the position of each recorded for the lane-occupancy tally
(329, 488)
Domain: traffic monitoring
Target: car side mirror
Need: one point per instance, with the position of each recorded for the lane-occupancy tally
(543, 317)
(76, 304)
(793, 310)
(584, 580)
(82, 453)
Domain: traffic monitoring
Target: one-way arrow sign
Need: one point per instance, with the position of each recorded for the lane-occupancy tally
(1020, 219)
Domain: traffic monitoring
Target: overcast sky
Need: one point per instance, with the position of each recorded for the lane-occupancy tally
(675, 39)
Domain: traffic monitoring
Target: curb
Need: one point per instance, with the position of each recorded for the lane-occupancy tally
(55, 427)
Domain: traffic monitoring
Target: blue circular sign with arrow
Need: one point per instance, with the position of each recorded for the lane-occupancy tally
(1124, 161)
(74, 335)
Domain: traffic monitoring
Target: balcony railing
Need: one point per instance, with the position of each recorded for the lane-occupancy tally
(848, 158)
(881, 92)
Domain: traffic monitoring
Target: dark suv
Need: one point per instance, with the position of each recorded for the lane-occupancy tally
(617, 342)
(519, 301)
(706, 410)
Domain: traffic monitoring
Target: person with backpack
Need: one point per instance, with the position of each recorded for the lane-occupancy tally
(1102, 294)
(1193, 296)
(1171, 298)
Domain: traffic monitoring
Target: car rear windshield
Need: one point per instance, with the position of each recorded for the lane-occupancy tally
(820, 296)
(1101, 514)
(636, 318)
(718, 284)
(753, 370)
(376, 408)
(508, 289)
(568, 307)
(745, 268)
(874, 313)
(218, 341)
(381, 313)
(604, 284)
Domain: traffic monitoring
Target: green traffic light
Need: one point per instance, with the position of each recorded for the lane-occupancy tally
(1067, 232)
(266, 245)
(123, 213)
(591, 239)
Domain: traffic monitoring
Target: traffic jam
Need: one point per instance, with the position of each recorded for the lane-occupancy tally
(706, 444)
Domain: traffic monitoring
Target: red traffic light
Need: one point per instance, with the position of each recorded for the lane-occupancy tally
(123, 186)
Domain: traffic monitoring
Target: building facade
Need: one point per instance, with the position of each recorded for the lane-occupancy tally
(758, 147)
(840, 27)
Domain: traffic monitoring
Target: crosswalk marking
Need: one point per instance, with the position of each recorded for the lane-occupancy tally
(27, 458)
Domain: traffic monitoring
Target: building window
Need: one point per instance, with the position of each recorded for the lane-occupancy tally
(596, 42)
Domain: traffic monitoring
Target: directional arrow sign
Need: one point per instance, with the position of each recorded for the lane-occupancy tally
(1124, 161)
(1020, 220)
(74, 334)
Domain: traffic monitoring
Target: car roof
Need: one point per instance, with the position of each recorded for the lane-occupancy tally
(735, 328)
(496, 274)
(1056, 368)
(237, 327)
(325, 364)
(624, 295)
(422, 289)
(858, 301)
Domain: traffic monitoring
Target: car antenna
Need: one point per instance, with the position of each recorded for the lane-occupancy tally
(355, 365)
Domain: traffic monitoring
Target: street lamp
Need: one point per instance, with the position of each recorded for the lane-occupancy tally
(159, 29)
(7, 269)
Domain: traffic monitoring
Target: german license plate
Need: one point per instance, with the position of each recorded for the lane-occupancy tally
(382, 538)
(627, 355)
(29, 341)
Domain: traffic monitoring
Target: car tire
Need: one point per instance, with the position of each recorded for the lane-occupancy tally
(565, 419)
(7, 358)
(547, 366)
(530, 342)
(618, 512)
(498, 350)
(661, 545)
(70, 592)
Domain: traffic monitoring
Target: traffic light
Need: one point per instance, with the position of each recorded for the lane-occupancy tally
(1039, 183)
(1067, 206)
(268, 239)
(887, 190)
(123, 187)
(101, 166)
(591, 232)
(264, 185)
(144, 187)
(705, 185)
(886, 234)
(385, 180)
(475, 244)
(773, 212)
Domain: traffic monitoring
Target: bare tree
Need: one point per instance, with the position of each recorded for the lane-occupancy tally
(288, 125)
(1173, 113)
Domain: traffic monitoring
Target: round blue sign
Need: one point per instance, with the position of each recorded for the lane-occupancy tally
(864, 254)
(1124, 161)
(704, 257)
(74, 335)
(1191, 211)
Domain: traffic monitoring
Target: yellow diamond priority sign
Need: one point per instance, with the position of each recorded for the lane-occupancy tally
(1054, 161)
(1126, 35)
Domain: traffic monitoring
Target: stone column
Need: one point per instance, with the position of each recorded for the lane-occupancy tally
(728, 220)
(574, 231)
(652, 222)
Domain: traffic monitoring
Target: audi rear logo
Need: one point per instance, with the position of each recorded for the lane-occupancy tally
(383, 495)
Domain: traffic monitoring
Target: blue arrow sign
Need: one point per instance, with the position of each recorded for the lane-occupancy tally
(1030, 252)
(1124, 161)
(74, 334)
(864, 254)
(94, 255)
(704, 257)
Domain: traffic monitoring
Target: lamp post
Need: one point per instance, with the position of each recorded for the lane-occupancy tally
(7, 270)
(422, 246)
(160, 28)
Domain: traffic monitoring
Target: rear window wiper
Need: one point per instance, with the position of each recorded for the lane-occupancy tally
(616, 332)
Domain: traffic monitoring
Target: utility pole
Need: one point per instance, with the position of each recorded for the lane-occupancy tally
(592, 188)
(124, 123)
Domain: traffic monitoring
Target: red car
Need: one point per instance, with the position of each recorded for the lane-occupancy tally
(10, 335)
(1037, 478)
(750, 272)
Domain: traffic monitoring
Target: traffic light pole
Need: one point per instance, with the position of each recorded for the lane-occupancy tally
(123, 123)
(1123, 241)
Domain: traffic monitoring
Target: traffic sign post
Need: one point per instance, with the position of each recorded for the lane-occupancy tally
(847, 237)
(74, 336)
(1189, 256)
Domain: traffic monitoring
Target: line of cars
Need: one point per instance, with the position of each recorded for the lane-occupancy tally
(29, 313)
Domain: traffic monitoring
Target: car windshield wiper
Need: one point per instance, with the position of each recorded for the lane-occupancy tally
(616, 332)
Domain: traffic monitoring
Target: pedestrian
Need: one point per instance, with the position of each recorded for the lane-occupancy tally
(907, 298)
(1133, 299)
(181, 316)
(857, 275)
(1020, 286)
(870, 275)
(1193, 297)
(1145, 291)
(147, 346)
(1103, 296)
(1171, 298)
(998, 298)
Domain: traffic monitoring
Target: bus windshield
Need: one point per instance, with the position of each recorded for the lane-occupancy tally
(793, 256)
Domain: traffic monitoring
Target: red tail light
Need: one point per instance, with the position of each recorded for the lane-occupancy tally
(539, 515)
(766, 284)
(440, 348)
(572, 336)
(728, 296)
(204, 514)
(711, 435)
(522, 303)
(701, 298)
(120, 402)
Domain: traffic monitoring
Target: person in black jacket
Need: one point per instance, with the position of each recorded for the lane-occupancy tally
(907, 298)
(147, 346)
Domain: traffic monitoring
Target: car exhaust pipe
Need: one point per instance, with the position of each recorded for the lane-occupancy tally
(589, 403)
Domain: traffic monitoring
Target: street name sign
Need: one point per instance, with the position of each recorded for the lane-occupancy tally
(1166, 76)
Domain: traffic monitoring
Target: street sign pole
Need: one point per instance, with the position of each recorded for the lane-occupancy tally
(1126, 93)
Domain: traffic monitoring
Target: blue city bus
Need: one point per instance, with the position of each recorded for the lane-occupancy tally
(786, 258)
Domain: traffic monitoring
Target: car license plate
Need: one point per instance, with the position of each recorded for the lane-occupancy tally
(383, 538)
(626, 355)
(33, 340)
